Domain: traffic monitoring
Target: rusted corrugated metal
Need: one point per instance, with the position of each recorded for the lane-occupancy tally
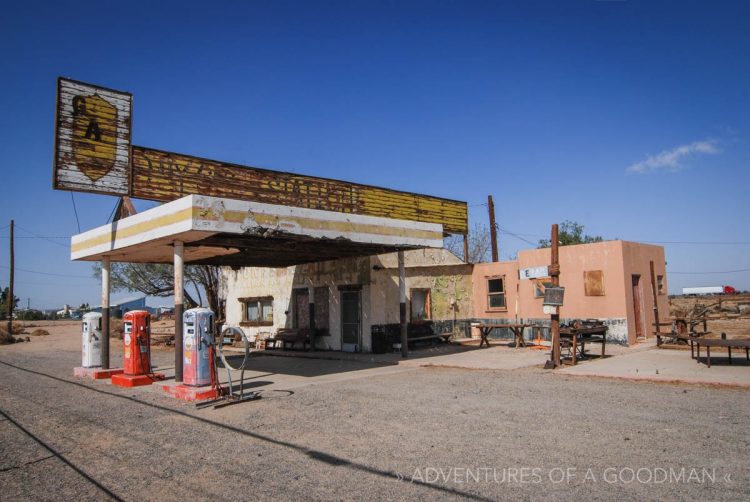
(165, 176)
(92, 138)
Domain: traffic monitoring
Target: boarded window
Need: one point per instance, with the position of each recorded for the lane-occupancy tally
(420, 305)
(257, 311)
(495, 293)
(321, 308)
(593, 282)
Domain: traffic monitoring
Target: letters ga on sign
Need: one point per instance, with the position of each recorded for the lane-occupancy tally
(92, 138)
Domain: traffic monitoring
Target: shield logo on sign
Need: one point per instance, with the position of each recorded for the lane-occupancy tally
(94, 135)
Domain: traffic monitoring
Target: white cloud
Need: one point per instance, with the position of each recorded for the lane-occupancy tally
(670, 160)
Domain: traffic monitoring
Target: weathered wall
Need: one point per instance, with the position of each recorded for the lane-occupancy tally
(636, 259)
(617, 260)
(446, 276)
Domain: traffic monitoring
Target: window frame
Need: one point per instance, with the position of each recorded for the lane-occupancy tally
(488, 295)
(427, 305)
(259, 300)
(660, 285)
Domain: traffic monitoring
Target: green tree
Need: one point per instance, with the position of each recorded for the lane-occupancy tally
(154, 279)
(569, 233)
(4, 303)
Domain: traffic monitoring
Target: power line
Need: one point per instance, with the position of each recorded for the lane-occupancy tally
(75, 211)
(718, 272)
(48, 273)
(48, 239)
(35, 237)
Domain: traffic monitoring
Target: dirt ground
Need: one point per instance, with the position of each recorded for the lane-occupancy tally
(734, 325)
(357, 430)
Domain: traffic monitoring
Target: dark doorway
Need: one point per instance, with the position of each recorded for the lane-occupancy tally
(638, 307)
(351, 315)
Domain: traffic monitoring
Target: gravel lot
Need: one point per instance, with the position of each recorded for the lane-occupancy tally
(420, 433)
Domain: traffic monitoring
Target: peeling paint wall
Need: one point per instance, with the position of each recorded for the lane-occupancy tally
(448, 279)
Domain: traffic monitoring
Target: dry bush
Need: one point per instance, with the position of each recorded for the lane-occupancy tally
(40, 332)
(116, 328)
(5, 338)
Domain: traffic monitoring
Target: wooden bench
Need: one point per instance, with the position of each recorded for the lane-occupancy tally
(287, 337)
(742, 343)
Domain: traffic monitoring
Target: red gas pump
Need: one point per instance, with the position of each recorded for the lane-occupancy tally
(136, 353)
(136, 342)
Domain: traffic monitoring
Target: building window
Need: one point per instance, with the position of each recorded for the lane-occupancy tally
(593, 281)
(496, 293)
(660, 284)
(257, 311)
(420, 305)
(539, 288)
(301, 309)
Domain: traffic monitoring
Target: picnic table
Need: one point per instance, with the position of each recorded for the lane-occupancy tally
(516, 329)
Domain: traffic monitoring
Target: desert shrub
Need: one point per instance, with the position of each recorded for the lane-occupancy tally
(40, 332)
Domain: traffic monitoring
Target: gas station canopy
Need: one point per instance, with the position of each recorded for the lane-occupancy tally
(236, 233)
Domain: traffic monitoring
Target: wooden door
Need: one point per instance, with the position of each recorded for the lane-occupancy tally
(638, 306)
(351, 319)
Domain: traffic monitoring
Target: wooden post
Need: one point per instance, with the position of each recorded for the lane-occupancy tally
(105, 312)
(656, 297)
(466, 247)
(402, 304)
(10, 283)
(493, 229)
(179, 307)
(311, 302)
(554, 272)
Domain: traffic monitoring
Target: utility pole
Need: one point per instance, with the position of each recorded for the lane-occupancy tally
(493, 229)
(10, 287)
(554, 272)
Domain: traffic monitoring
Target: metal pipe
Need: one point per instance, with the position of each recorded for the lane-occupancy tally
(179, 307)
(105, 312)
(402, 304)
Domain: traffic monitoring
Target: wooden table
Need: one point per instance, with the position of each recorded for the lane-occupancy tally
(737, 343)
(580, 336)
(516, 329)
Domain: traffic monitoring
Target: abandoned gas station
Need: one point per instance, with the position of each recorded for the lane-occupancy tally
(223, 214)
(329, 264)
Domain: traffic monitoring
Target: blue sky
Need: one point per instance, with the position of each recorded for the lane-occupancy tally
(628, 117)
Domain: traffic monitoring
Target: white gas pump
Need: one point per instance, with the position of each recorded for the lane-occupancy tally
(91, 340)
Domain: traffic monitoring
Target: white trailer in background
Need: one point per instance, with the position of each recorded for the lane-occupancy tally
(705, 290)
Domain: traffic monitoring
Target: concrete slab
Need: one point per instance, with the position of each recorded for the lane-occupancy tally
(191, 394)
(124, 380)
(96, 373)
(665, 366)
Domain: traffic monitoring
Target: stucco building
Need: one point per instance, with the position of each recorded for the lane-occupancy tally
(609, 281)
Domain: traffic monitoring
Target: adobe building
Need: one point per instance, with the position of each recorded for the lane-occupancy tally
(352, 297)
(609, 281)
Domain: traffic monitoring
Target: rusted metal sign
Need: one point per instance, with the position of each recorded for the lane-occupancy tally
(166, 176)
(92, 138)
(553, 296)
(93, 154)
